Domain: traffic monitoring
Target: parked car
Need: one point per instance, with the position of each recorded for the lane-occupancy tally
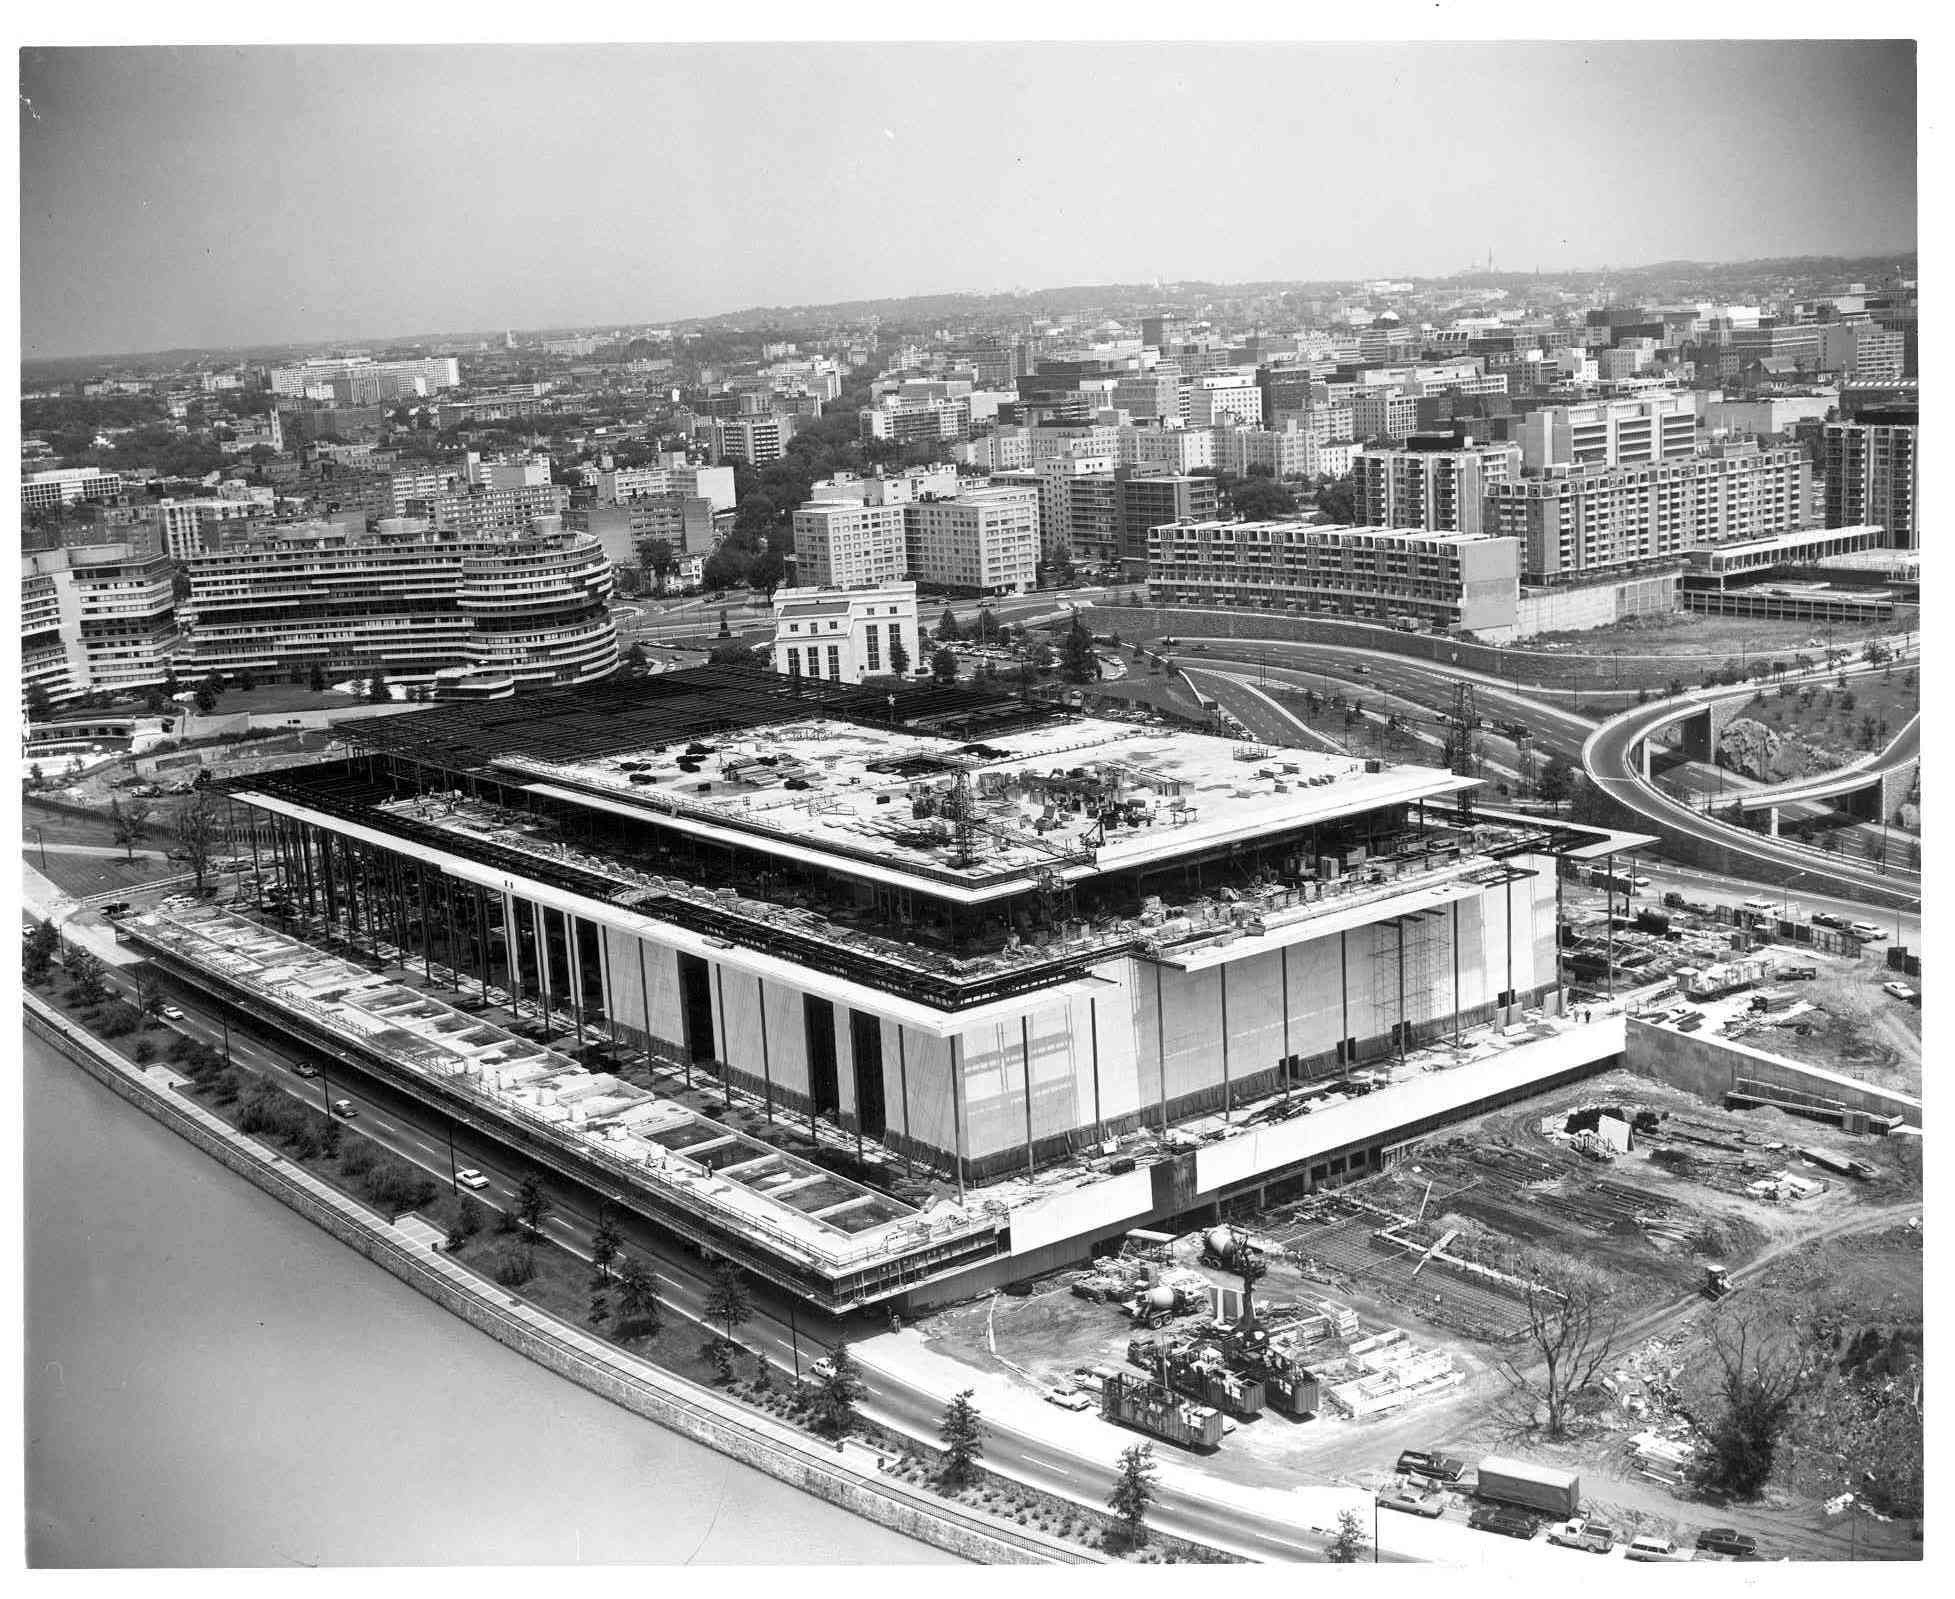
(1503, 1519)
(469, 1177)
(1868, 933)
(1425, 1463)
(1728, 1541)
(1762, 906)
(1578, 1532)
(1827, 919)
(1068, 1399)
(1414, 1501)
(1898, 990)
(1650, 1547)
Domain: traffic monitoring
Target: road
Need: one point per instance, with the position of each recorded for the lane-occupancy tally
(1609, 758)
(1901, 752)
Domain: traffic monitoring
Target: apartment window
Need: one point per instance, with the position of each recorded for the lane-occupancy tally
(834, 660)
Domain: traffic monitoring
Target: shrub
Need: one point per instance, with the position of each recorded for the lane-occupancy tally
(357, 1157)
(514, 1267)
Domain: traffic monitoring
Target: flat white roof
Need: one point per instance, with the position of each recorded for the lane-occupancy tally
(1077, 797)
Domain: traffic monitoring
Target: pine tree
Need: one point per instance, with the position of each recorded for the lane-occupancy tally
(963, 1438)
(638, 1303)
(1350, 1543)
(834, 1406)
(728, 1302)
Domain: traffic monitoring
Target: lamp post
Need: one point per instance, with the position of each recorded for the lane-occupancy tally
(43, 843)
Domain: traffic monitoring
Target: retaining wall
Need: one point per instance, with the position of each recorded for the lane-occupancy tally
(1711, 1067)
(668, 1400)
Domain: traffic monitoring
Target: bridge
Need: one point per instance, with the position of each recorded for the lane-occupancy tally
(1870, 788)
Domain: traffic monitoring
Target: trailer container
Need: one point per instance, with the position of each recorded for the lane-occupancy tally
(1148, 1407)
(1504, 1481)
(1217, 1386)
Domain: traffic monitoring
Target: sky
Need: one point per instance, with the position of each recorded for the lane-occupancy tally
(228, 196)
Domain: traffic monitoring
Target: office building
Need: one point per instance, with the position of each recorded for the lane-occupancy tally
(373, 380)
(48, 491)
(683, 521)
(843, 634)
(412, 603)
(979, 936)
(1631, 432)
(97, 618)
(1593, 518)
(753, 439)
(1390, 415)
(985, 541)
(1219, 397)
(475, 510)
(1447, 581)
(1873, 474)
(848, 544)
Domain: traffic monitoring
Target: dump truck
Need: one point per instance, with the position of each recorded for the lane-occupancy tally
(1160, 1413)
(1503, 1481)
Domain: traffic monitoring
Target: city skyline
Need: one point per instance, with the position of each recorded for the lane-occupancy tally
(740, 213)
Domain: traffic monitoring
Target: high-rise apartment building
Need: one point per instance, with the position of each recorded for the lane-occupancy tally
(412, 604)
(1873, 474)
(1584, 519)
(1431, 486)
(847, 544)
(1442, 580)
(983, 542)
(753, 439)
(96, 618)
(1634, 432)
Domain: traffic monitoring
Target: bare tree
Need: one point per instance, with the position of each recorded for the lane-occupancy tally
(1571, 1333)
(196, 830)
(1761, 1365)
(130, 823)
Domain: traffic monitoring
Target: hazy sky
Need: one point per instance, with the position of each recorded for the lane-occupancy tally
(228, 196)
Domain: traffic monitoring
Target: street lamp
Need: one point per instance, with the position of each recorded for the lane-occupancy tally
(38, 839)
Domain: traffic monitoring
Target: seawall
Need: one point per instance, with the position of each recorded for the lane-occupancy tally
(662, 1397)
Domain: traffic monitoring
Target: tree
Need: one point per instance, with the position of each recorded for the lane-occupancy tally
(986, 628)
(768, 573)
(246, 682)
(1761, 1372)
(36, 778)
(1350, 1543)
(86, 984)
(1133, 1492)
(728, 1302)
(943, 666)
(600, 1311)
(130, 823)
(1077, 661)
(1259, 499)
(532, 1206)
(639, 1309)
(149, 993)
(205, 699)
(659, 557)
(606, 1241)
(378, 692)
(636, 659)
(1557, 778)
(1338, 500)
(947, 631)
(37, 952)
(899, 654)
(962, 1433)
(836, 1394)
(1571, 1333)
(315, 678)
(40, 704)
(195, 832)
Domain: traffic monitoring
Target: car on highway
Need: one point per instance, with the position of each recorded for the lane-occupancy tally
(345, 1109)
(1503, 1519)
(306, 1071)
(172, 1013)
(1763, 906)
(469, 1177)
(1728, 1541)
(1426, 1463)
(1867, 933)
(1413, 1500)
(1361, 671)
(1828, 919)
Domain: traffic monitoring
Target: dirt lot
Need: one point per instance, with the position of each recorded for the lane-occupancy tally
(1858, 1029)
(1713, 638)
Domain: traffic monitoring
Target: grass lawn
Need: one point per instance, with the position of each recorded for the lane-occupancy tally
(1835, 719)
(267, 698)
(83, 875)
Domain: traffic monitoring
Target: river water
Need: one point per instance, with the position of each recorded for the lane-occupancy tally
(213, 1381)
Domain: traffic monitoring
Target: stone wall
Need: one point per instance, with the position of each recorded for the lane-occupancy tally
(1711, 1067)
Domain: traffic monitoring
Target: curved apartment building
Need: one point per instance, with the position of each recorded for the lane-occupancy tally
(532, 608)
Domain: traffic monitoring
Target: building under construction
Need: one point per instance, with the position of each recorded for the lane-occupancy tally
(989, 936)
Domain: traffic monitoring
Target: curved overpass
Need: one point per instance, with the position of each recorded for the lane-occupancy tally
(1616, 757)
(1883, 778)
